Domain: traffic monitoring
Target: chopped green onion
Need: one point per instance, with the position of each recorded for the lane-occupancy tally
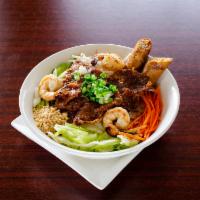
(103, 75)
(97, 89)
(84, 89)
(76, 76)
(113, 88)
(87, 77)
(93, 77)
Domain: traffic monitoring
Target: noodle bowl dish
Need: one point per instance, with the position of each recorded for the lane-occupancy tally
(101, 100)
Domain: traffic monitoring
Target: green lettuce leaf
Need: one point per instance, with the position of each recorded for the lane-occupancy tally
(81, 138)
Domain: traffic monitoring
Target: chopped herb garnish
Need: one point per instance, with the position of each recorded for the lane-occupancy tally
(113, 88)
(103, 75)
(97, 89)
(76, 76)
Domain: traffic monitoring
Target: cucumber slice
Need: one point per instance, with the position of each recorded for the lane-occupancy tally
(61, 68)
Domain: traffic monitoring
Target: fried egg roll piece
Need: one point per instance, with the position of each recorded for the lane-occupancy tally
(139, 53)
(155, 67)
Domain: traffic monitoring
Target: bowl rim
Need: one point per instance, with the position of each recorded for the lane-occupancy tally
(97, 155)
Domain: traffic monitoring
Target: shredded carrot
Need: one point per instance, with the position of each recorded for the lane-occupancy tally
(144, 125)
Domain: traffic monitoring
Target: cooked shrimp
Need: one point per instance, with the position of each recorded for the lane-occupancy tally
(48, 87)
(109, 62)
(115, 119)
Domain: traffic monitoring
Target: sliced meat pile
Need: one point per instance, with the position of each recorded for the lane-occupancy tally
(93, 112)
(128, 81)
(67, 93)
(80, 110)
(131, 85)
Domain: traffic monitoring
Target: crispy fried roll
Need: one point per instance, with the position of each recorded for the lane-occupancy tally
(139, 53)
(155, 67)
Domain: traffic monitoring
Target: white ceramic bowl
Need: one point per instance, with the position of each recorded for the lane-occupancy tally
(168, 85)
